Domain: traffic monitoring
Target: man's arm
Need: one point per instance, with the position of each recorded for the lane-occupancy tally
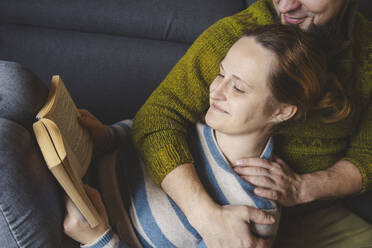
(276, 181)
(160, 127)
(342, 179)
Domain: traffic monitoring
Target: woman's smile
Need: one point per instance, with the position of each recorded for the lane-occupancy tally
(218, 109)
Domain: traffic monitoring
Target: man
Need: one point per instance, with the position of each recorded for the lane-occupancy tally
(321, 160)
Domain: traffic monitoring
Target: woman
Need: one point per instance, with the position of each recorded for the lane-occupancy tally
(270, 75)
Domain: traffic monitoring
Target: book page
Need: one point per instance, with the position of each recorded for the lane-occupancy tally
(64, 113)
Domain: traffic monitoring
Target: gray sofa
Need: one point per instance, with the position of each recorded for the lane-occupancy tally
(111, 55)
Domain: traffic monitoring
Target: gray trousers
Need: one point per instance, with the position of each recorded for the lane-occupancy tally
(31, 203)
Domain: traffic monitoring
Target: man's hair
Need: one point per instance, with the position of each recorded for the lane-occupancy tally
(300, 76)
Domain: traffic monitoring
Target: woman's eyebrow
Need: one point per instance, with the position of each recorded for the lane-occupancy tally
(237, 77)
(243, 81)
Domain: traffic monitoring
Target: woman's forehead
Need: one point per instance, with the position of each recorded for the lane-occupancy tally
(249, 60)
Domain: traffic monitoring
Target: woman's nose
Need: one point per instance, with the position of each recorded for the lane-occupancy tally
(217, 89)
(285, 6)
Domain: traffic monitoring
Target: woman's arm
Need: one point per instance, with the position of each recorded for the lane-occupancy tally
(220, 226)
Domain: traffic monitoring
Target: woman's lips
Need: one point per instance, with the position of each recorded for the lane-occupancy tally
(215, 107)
(293, 20)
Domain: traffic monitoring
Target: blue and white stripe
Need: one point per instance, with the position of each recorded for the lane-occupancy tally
(107, 240)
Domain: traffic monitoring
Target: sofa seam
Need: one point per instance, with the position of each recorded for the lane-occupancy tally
(93, 32)
(9, 226)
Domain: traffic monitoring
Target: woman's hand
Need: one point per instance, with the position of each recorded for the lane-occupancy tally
(229, 226)
(98, 131)
(274, 180)
(77, 228)
(219, 226)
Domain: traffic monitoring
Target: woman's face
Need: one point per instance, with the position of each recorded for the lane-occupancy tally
(239, 93)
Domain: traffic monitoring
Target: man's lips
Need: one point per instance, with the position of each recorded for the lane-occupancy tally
(215, 107)
(293, 20)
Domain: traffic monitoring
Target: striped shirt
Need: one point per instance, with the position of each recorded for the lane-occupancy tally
(159, 222)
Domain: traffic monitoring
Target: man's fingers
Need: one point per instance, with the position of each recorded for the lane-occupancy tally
(278, 160)
(251, 171)
(267, 193)
(256, 162)
(260, 181)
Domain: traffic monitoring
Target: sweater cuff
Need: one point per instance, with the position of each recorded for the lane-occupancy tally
(107, 240)
(167, 159)
(365, 169)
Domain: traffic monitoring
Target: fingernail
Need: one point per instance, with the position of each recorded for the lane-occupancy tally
(239, 162)
(272, 219)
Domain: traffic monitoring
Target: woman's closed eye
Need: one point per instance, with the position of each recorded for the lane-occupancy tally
(237, 87)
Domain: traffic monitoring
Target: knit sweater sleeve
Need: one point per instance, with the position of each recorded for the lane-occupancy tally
(160, 127)
(360, 150)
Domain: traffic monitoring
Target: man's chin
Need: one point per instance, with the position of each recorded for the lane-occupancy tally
(327, 36)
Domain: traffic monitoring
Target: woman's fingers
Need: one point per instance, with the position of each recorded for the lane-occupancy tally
(96, 199)
(259, 216)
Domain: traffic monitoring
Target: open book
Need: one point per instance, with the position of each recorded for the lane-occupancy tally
(66, 146)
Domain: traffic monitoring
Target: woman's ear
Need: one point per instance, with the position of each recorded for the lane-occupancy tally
(284, 112)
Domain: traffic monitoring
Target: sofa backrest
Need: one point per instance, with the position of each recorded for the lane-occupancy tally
(111, 54)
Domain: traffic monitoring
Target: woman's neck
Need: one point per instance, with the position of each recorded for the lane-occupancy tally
(235, 147)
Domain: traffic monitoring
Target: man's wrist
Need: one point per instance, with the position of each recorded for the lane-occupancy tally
(307, 191)
(342, 179)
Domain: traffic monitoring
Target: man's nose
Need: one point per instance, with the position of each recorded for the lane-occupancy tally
(285, 6)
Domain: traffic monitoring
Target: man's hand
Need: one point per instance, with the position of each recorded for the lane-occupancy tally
(229, 226)
(77, 228)
(273, 180)
(98, 131)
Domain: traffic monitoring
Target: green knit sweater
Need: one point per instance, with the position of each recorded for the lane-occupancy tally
(160, 127)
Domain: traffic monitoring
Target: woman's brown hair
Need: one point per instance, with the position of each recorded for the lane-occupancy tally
(301, 77)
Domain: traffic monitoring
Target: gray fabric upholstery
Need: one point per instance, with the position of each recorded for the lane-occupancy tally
(168, 20)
